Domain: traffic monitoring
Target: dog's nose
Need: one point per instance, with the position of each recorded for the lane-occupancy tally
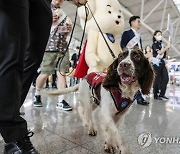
(119, 16)
(125, 65)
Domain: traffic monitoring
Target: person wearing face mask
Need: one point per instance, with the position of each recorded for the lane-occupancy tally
(161, 73)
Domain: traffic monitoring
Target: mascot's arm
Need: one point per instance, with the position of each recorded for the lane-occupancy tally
(91, 49)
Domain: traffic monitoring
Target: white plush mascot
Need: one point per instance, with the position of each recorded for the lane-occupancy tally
(111, 21)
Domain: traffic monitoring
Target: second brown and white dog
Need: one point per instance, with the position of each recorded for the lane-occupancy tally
(130, 72)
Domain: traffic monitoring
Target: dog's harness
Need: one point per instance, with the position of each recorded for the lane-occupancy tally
(95, 81)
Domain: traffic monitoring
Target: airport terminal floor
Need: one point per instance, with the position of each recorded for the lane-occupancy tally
(58, 131)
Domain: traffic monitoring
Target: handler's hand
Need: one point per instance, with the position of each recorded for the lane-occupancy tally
(79, 2)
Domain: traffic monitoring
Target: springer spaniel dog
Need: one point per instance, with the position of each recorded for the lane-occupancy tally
(130, 72)
(110, 99)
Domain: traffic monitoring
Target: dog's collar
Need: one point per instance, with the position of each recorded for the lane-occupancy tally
(121, 103)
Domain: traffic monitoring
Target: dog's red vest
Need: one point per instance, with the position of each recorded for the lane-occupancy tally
(95, 79)
(122, 104)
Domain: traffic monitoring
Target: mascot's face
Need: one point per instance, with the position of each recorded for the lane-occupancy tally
(108, 15)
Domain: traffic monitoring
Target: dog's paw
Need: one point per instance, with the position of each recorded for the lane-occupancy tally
(125, 150)
(92, 132)
(109, 148)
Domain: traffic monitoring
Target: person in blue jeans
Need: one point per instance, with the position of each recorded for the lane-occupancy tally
(127, 36)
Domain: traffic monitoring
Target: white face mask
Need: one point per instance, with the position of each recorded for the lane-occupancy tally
(159, 38)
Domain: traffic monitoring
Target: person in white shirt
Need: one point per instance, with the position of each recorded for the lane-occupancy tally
(131, 38)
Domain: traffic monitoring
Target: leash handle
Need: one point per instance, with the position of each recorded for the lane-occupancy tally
(110, 50)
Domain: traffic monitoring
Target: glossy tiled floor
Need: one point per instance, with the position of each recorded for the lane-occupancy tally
(57, 131)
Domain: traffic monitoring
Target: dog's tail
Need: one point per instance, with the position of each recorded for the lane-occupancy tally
(63, 91)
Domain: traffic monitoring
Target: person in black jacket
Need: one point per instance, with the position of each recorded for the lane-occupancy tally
(161, 77)
(24, 32)
(126, 41)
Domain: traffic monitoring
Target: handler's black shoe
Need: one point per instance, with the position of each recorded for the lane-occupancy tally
(26, 146)
(12, 148)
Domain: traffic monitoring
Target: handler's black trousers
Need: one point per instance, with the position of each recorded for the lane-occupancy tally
(161, 79)
(24, 31)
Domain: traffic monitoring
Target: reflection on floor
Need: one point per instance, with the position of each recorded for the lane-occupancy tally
(57, 131)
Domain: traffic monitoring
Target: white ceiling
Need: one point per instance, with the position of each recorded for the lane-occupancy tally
(134, 6)
(177, 2)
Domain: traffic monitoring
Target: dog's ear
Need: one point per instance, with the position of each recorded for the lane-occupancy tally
(111, 80)
(147, 78)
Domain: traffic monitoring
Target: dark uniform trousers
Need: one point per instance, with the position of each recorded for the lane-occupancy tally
(161, 79)
(24, 31)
